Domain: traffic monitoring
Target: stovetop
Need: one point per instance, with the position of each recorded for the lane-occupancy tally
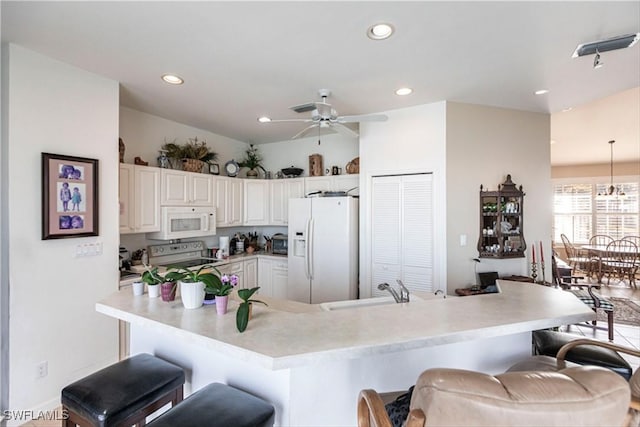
(190, 263)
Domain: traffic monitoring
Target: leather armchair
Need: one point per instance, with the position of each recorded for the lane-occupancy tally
(582, 395)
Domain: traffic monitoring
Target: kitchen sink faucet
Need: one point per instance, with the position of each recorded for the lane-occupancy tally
(404, 292)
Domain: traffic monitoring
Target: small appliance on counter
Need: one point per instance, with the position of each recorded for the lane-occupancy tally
(124, 259)
(279, 244)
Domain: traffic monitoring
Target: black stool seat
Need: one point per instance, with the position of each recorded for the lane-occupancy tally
(549, 342)
(218, 405)
(126, 391)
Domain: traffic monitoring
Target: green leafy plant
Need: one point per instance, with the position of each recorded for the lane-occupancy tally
(252, 159)
(151, 276)
(192, 149)
(203, 274)
(242, 315)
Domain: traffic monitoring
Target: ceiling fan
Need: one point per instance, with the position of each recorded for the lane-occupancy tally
(324, 116)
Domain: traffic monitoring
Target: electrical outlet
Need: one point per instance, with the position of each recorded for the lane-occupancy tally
(42, 369)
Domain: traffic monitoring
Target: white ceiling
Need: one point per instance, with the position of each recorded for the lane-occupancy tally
(241, 60)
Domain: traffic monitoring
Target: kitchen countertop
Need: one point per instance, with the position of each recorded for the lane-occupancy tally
(287, 334)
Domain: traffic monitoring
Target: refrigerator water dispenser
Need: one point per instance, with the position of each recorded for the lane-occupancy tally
(299, 246)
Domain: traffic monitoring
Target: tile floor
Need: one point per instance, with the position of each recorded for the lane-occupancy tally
(624, 335)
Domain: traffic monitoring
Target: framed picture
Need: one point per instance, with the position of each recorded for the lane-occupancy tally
(214, 168)
(69, 196)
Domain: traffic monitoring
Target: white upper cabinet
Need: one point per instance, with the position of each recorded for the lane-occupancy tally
(256, 202)
(181, 188)
(126, 198)
(281, 190)
(228, 201)
(139, 196)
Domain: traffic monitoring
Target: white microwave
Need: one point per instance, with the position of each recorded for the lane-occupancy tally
(182, 222)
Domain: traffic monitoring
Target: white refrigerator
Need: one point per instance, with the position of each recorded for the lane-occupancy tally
(323, 249)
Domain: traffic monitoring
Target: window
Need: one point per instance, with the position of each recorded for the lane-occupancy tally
(579, 213)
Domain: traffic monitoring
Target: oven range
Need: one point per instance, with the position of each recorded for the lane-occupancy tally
(183, 254)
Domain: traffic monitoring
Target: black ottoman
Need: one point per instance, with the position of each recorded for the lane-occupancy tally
(548, 343)
(218, 405)
(124, 393)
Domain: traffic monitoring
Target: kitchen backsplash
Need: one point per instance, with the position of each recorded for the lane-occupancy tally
(138, 241)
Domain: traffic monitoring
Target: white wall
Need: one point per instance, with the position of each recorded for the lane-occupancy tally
(59, 109)
(411, 141)
(144, 134)
(484, 144)
(336, 150)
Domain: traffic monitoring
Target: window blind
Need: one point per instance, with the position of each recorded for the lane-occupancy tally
(579, 213)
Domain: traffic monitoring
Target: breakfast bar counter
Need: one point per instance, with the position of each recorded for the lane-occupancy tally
(311, 363)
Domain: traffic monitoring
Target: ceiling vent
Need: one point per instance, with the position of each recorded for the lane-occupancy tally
(619, 42)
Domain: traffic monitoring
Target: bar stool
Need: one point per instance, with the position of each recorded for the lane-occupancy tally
(124, 393)
(218, 405)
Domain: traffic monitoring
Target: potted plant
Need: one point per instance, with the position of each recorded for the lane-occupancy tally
(253, 161)
(193, 282)
(221, 290)
(153, 281)
(244, 309)
(193, 154)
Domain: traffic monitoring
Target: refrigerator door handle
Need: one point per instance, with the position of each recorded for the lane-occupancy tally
(306, 249)
(310, 248)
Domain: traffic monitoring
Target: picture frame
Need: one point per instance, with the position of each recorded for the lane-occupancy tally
(69, 197)
(214, 168)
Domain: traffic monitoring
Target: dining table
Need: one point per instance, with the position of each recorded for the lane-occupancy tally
(601, 253)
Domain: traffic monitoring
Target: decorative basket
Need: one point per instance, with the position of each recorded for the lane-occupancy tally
(192, 165)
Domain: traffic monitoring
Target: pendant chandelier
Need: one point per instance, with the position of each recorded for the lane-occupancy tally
(612, 192)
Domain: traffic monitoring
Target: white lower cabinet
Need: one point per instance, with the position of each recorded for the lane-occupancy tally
(272, 277)
(236, 268)
(250, 271)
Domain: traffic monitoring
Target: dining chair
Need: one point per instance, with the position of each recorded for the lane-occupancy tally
(578, 258)
(634, 239)
(585, 293)
(600, 240)
(621, 261)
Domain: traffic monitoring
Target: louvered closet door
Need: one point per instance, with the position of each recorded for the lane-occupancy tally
(417, 232)
(402, 232)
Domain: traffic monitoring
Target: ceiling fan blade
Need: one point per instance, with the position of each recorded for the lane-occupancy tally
(362, 118)
(344, 130)
(290, 120)
(304, 131)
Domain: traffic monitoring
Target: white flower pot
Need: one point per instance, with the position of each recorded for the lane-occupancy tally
(192, 294)
(154, 291)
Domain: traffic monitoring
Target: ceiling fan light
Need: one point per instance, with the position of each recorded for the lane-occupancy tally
(264, 119)
(380, 31)
(403, 91)
(172, 79)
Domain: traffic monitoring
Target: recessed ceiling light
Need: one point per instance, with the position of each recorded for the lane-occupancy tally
(172, 79)
(380, 31)
(264, 119)
(567, 109)
(541, 92)
(404, 91)
(553, 141)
